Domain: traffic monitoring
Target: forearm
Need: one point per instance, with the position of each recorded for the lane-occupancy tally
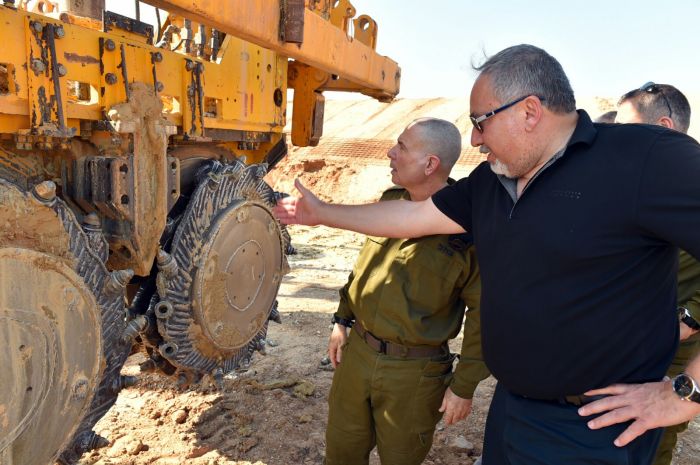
(395, 218)
(471, 368)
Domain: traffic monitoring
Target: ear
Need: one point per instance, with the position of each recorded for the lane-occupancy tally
(432, 165)
(666, 122)
(533, 112)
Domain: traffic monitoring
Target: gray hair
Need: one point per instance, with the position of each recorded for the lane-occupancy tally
(441, 138)
(527, 70)
(654, 101)
(607, 117)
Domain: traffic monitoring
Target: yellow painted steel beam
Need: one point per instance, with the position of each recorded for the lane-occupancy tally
(325, 46)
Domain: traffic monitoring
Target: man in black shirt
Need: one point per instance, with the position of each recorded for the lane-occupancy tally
(576, 227)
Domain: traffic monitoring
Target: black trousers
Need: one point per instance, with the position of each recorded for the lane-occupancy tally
(521, 431)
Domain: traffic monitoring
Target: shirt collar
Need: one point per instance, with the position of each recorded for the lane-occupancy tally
(585, 131)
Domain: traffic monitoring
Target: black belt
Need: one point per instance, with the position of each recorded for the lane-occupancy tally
(397, 350)
(580, 400)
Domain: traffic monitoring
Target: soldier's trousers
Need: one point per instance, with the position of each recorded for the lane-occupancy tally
(686, 351)
(385, 401)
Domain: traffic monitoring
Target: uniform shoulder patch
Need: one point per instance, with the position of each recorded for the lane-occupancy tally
(460, 242)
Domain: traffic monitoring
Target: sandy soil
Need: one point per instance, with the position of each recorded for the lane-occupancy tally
(274, 413)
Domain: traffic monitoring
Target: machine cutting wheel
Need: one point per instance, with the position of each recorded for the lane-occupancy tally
(61, 318)
(218, 284)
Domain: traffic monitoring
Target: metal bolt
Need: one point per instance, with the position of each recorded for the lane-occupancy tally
(218, 375)
(80, 389)
(36, 26)
(164, 309)
(93, 221)
(111, 78)
(134, 328)
(189, 66)
(109, 45)
(122, 382)
(157, 57)
(62, 71)
(88, 441)
(159, 86)
(59, 32)
(167, 264)
(38, 66)
(118, 280)
(45, 191)
(168, 349)
(148, 366)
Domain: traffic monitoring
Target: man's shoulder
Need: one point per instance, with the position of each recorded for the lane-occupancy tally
(639, 133)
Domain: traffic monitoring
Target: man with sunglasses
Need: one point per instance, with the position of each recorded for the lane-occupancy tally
(664, 105)
(576, 226)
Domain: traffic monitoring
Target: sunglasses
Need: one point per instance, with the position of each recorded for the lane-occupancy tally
(477, 120)
(654, 88)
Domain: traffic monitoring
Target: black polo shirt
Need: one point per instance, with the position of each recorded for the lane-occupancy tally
(579, 275)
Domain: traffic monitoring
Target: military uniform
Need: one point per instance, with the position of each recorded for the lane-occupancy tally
(406, 296)
(688, 297)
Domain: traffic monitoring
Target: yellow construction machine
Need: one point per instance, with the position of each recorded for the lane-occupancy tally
(133, 211)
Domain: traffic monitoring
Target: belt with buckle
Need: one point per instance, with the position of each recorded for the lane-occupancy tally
(397, 350)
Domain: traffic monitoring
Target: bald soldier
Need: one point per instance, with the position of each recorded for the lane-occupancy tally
(404, 300)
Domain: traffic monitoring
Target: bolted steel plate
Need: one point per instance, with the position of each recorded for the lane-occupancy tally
(50, 362)
(239, 275)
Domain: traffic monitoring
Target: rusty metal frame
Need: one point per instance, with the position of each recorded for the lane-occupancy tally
(257, 22)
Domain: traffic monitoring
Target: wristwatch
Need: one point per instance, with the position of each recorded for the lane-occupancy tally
(341, 321)
(688, 319)
(686, 388)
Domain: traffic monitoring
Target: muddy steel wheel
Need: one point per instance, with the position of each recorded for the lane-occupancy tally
(227, 264)
(61, 317)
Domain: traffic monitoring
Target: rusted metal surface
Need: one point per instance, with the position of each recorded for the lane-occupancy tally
(116, 21)
(140, 185)
(82, 59)
(307, 118)
(257, 22)
(292, 21)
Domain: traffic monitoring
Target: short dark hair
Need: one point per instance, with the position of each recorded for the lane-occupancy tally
(654, 101)
(607, 117)
(441, 138)
(527, 70)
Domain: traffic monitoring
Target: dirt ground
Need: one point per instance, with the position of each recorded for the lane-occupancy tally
(274, 413)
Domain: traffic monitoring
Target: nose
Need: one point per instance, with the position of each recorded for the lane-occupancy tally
(391, 152)
(477, 138)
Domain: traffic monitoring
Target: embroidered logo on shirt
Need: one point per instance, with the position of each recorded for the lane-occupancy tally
(572, 195)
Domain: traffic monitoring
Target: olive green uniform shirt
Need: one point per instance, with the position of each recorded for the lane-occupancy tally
(414, 292)
(688, 297)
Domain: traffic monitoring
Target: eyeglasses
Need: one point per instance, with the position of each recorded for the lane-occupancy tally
(477, 120)
(654, 88)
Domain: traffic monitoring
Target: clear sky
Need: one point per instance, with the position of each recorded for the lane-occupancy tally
(605, 47)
